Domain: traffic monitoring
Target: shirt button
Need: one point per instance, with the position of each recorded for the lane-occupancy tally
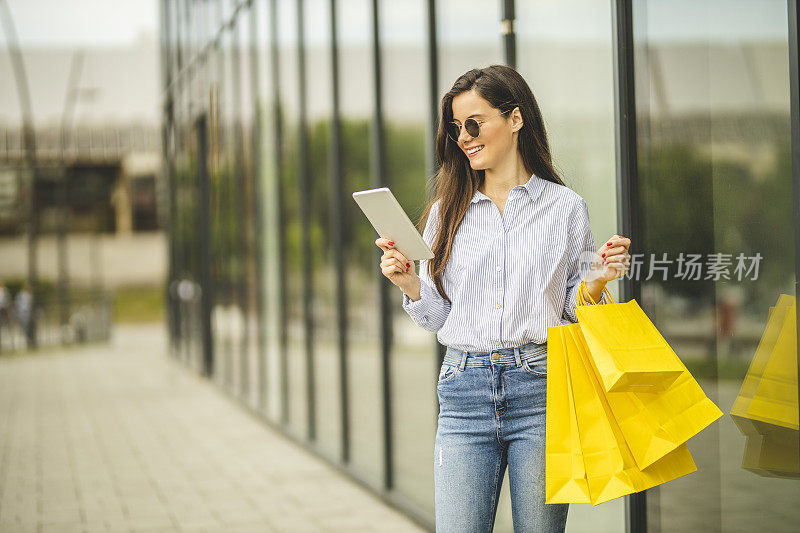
(499, 306)
(498, 269)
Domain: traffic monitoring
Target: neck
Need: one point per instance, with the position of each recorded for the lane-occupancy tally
(499, 181)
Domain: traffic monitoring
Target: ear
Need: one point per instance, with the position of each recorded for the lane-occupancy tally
(516, 120)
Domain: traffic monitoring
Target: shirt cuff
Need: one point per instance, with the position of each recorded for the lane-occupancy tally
(416, 310)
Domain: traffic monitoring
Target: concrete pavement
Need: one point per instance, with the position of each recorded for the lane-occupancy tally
(120, 438)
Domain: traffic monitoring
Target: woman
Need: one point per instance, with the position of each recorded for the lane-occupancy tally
(514, 246)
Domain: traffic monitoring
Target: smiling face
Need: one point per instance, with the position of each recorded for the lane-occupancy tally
(496, 141)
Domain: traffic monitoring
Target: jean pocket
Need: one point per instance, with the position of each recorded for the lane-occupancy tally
(446, 373)
(536, 365)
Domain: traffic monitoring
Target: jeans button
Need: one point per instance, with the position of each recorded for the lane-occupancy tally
(495, 356)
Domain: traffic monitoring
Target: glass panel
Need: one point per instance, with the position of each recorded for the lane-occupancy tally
(468, 37)
(215, 144)
(238, 215)
(227, 305)
(317, 31)
(564, 51)
(716, 206)
(218, 139)
(291, 225)
(270, 217)
(362, 259)
(414, 358)
(248, 211)
(187, 209)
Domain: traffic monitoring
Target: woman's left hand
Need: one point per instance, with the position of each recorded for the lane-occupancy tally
(614, 259)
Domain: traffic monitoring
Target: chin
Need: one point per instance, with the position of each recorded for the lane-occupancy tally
(480, 164)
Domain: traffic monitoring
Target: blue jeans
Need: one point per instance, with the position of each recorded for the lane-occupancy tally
(492, 415)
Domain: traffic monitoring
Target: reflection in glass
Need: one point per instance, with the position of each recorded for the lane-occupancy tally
(765, 411)
(414, 359)
(356, 88)
(717, 243)
(291, 224)
(467, 38)
(248, 211)
(319, 102)
(269, 232)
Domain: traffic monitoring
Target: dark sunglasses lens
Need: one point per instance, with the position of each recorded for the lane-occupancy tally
(472, 127)
(453, 130)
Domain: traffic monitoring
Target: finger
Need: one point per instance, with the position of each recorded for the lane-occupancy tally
(615, 250)
(390, 270)
(617, 240)
(622, 266)
(617, 266)
(393, 262)
(605, 256)
(384, 243)
(621, 257)
(393, 252)
(400, 257)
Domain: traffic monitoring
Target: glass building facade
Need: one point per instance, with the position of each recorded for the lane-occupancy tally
(676, 120)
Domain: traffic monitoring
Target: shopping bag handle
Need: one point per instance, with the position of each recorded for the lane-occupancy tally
(582, 290)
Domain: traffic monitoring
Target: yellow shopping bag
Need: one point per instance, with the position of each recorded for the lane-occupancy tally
(764, 352)
(766, 410)
(565, 476)
(772, 456)
(775, 399)
(611, 470)
(656, 423)
(628, 351)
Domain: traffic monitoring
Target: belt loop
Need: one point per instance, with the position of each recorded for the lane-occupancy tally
(463, 361)
(517, 358)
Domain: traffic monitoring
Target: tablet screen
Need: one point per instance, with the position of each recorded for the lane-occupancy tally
(390, 221)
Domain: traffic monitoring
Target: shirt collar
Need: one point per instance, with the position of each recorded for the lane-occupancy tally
(534, 186)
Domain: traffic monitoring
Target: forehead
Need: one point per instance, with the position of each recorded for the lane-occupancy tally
(468, 104)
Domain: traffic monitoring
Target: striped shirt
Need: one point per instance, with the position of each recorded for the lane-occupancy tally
(509, 276)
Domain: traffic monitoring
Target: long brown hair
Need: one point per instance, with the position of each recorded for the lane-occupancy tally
(455, 182)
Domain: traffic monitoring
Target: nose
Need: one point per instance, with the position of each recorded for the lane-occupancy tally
(463, 132)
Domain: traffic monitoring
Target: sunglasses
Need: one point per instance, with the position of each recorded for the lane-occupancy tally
(472, 126)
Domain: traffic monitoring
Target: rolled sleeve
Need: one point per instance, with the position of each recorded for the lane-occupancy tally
(580, 241)
(431, 310)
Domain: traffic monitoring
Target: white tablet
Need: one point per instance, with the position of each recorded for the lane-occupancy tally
(389, 220)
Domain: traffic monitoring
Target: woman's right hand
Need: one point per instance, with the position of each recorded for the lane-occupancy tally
(395, 266)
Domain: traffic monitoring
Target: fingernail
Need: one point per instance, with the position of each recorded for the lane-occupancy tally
(608, 244)
(391, 243)
(603, 255)
(408, 264)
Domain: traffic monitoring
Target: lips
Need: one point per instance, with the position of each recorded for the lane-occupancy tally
(471, 151)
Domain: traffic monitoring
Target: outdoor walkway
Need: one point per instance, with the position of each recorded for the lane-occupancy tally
(119, 438)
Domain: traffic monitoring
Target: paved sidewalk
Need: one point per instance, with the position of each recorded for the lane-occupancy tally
(119, 438)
